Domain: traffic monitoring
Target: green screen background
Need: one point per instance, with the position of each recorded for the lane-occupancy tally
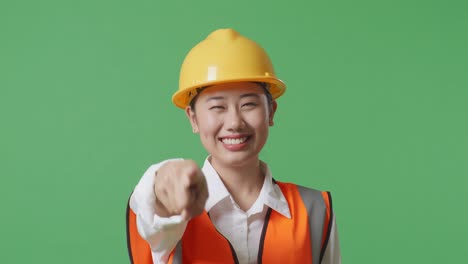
(375, 111)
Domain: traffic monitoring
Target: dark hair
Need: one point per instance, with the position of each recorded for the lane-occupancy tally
(265, 87)
(194, 99)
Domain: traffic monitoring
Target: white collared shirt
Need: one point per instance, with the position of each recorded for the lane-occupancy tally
(242, 228)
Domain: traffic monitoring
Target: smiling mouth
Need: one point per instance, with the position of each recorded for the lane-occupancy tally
(234, 141)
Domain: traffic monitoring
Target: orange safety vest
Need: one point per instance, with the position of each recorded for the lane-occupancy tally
(301, 239)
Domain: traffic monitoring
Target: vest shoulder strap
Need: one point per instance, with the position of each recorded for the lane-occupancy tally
(319, 213)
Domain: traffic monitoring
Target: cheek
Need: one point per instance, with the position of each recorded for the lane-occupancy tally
(208, 126)
(259, 120)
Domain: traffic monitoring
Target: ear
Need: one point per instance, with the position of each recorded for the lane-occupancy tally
(274, 105)
(192, 118)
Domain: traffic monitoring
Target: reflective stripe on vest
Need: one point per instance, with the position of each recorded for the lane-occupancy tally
(317, 204)
(302, 239)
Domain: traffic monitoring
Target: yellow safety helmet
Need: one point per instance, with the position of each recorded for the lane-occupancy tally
(225, 56)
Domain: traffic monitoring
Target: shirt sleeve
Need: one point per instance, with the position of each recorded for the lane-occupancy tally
(332, 253)
(161, 233)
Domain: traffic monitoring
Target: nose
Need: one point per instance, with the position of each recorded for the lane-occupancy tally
(234, 120)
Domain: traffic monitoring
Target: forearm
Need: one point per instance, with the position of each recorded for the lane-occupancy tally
(161, 233)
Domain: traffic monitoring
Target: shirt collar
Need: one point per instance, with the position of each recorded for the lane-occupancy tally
(270, 195)
(216, 189)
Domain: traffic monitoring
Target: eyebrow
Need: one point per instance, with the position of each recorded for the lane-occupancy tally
(250, 95)
(214, 98)
(222, 97)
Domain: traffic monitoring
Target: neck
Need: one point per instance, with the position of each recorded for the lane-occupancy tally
(244, 183)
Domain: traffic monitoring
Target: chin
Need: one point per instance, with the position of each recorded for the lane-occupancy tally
(234, 159)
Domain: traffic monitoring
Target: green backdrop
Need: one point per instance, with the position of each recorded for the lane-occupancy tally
(375, 111)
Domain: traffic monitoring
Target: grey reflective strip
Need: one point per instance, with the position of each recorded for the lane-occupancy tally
(316, 210)
(177, 254)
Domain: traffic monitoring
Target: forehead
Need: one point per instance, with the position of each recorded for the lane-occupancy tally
(232, 89)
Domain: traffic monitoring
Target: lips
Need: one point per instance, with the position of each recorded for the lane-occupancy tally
(235, 142)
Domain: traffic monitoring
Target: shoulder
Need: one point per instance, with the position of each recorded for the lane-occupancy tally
(300, 188)
(307, 195)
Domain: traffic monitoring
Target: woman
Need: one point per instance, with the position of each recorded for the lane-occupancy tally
(231, 210)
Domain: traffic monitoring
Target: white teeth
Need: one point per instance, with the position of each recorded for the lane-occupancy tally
(234, 141)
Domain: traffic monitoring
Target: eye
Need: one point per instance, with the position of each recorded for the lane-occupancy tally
(216, 107)
(249, 105)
